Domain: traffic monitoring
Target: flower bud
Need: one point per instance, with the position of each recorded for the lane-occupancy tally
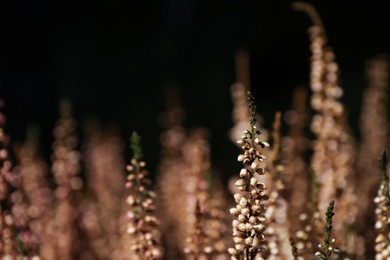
(254, 165)
(233, 211)
(232, 251)
(243, 172)
(243, 202)
(240, 182)
(252, 220)
(237, 197)
(245, 211)
(241, 227)
(249, 241)
(241, 218)
(239, 247)
(253, 181)
(235, 223)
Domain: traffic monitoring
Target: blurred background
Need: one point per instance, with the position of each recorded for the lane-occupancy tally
(116, 59)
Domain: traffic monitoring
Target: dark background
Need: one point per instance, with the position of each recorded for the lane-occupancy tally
(114, 59)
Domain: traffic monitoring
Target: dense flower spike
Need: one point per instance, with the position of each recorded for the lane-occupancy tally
(249, 222)
(35, 194)
(294, 149)
(171, 208)
(208, 238)
(382, 214)
(62, 238)
(276, 213)
(330, 129)
(105, 170)
(144, 235)
(7, 181)
(373, 121)
(374, 138)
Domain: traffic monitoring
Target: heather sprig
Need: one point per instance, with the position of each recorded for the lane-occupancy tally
(326, 249)
(143, 226)
(249, 225)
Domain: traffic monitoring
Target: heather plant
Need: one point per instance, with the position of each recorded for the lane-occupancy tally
(248, 225)
(143, 226)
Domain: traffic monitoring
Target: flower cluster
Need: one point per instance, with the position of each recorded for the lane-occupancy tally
(249, 225)
(144, 241)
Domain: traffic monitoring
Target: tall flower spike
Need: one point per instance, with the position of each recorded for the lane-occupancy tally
(374, 129)
(249, 222)
(143, 226)
(295, 146)
(7, 228)
(35, 195)
(62, 234)
(105, 171)
(382, 213)
(328, 125)
(276, 213)
(207, 238)
(173, 171)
